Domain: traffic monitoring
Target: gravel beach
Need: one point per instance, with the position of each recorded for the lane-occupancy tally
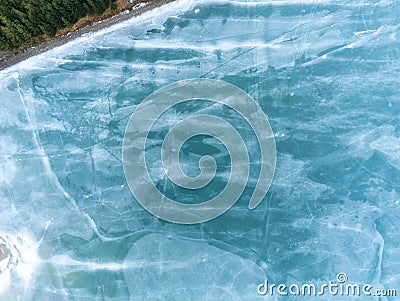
(8, 59)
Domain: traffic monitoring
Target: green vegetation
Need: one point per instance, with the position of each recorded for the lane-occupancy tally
(26, 21)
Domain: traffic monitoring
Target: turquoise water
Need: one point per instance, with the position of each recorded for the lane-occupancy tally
(326, 73)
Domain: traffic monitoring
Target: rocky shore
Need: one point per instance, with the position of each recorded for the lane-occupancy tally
(10, 58)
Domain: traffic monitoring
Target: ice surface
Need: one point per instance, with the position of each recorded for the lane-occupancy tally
(327, 75)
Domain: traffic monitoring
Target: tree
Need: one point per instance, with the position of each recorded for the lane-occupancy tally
(24, 21)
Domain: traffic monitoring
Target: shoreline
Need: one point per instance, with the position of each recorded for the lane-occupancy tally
(10, 58)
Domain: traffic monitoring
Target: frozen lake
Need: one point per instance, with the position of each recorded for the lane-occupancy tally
(326, 73)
